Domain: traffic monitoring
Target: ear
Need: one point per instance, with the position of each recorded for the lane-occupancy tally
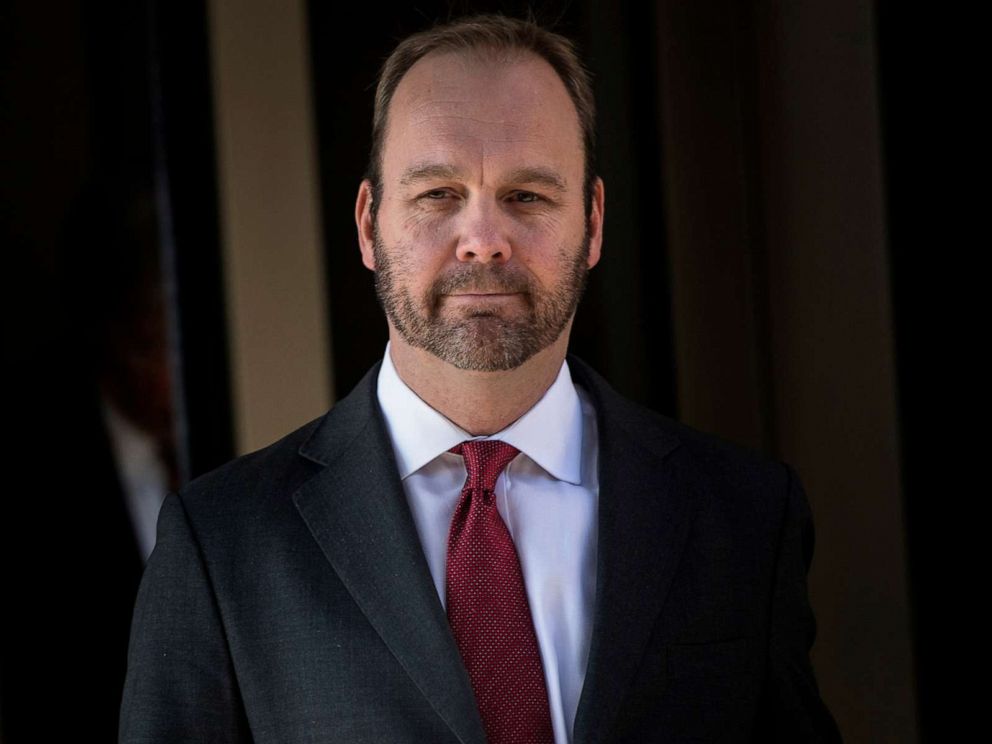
(365, 223)
(596, 222)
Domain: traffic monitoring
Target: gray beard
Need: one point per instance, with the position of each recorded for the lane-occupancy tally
(481, 340)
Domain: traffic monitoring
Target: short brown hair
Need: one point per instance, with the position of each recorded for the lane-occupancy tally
(489, 33)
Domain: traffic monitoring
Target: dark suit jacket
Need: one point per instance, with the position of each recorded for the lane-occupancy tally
(289, 600)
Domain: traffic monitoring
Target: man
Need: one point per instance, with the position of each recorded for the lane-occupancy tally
(482, 541)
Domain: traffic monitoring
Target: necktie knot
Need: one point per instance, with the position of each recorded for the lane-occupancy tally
(485, 459)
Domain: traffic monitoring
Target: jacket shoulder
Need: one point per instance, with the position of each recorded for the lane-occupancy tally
(242, 483)
(274, 473)
(727, 466)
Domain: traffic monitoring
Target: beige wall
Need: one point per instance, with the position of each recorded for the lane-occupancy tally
(270, 224)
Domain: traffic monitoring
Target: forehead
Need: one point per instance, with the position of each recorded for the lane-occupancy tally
(482, 110)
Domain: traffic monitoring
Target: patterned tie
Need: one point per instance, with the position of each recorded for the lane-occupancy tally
(487, 606)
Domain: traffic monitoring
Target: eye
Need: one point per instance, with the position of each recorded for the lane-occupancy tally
(526, 197)
(436, 194)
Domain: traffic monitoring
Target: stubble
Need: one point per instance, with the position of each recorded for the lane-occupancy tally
(484, 339)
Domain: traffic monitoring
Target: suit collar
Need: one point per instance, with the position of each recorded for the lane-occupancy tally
(340, 425)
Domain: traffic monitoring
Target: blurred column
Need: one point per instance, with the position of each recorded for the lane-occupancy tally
(277, 308)
(782, 304)
(831, 338)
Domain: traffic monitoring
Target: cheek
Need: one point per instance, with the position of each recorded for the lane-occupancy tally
(427, 228)
(544, 251)
(543, 239)
(413, 268)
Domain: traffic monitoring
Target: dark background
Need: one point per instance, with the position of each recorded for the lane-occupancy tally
(107, 151)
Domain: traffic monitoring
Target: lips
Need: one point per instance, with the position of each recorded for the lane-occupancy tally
(483, 294)
(489, 287)
(484, 297)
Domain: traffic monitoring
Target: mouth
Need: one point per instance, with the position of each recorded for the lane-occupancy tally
(483, 295)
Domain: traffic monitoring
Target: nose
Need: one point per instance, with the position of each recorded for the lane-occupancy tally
(484, 236)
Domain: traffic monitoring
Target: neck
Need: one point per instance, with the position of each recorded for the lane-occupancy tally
(481, 403)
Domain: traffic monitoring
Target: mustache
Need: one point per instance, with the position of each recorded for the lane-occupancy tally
(482, 280)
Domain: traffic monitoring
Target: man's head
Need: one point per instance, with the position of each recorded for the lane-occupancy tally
(496, 34)
(480, 217)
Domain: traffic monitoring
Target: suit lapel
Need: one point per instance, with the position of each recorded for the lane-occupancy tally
(357, 511)
(644, 516)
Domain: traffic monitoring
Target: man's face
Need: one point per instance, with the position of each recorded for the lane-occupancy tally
(481, 246)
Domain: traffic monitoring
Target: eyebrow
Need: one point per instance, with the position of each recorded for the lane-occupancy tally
(535, 174)
(543, 176)
(427, 171)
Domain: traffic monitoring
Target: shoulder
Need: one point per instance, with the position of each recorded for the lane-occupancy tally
(266, 479)
(718, 466)
(246, 483)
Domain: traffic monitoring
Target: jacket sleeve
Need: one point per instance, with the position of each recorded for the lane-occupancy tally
(791, 708)
(180, 684)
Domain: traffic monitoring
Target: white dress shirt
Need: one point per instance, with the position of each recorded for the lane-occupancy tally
(142, 471)
(547, 496)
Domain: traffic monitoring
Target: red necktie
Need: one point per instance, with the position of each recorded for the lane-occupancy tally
(487, 606)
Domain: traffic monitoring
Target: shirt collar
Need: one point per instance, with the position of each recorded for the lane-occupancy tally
(550, 433)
